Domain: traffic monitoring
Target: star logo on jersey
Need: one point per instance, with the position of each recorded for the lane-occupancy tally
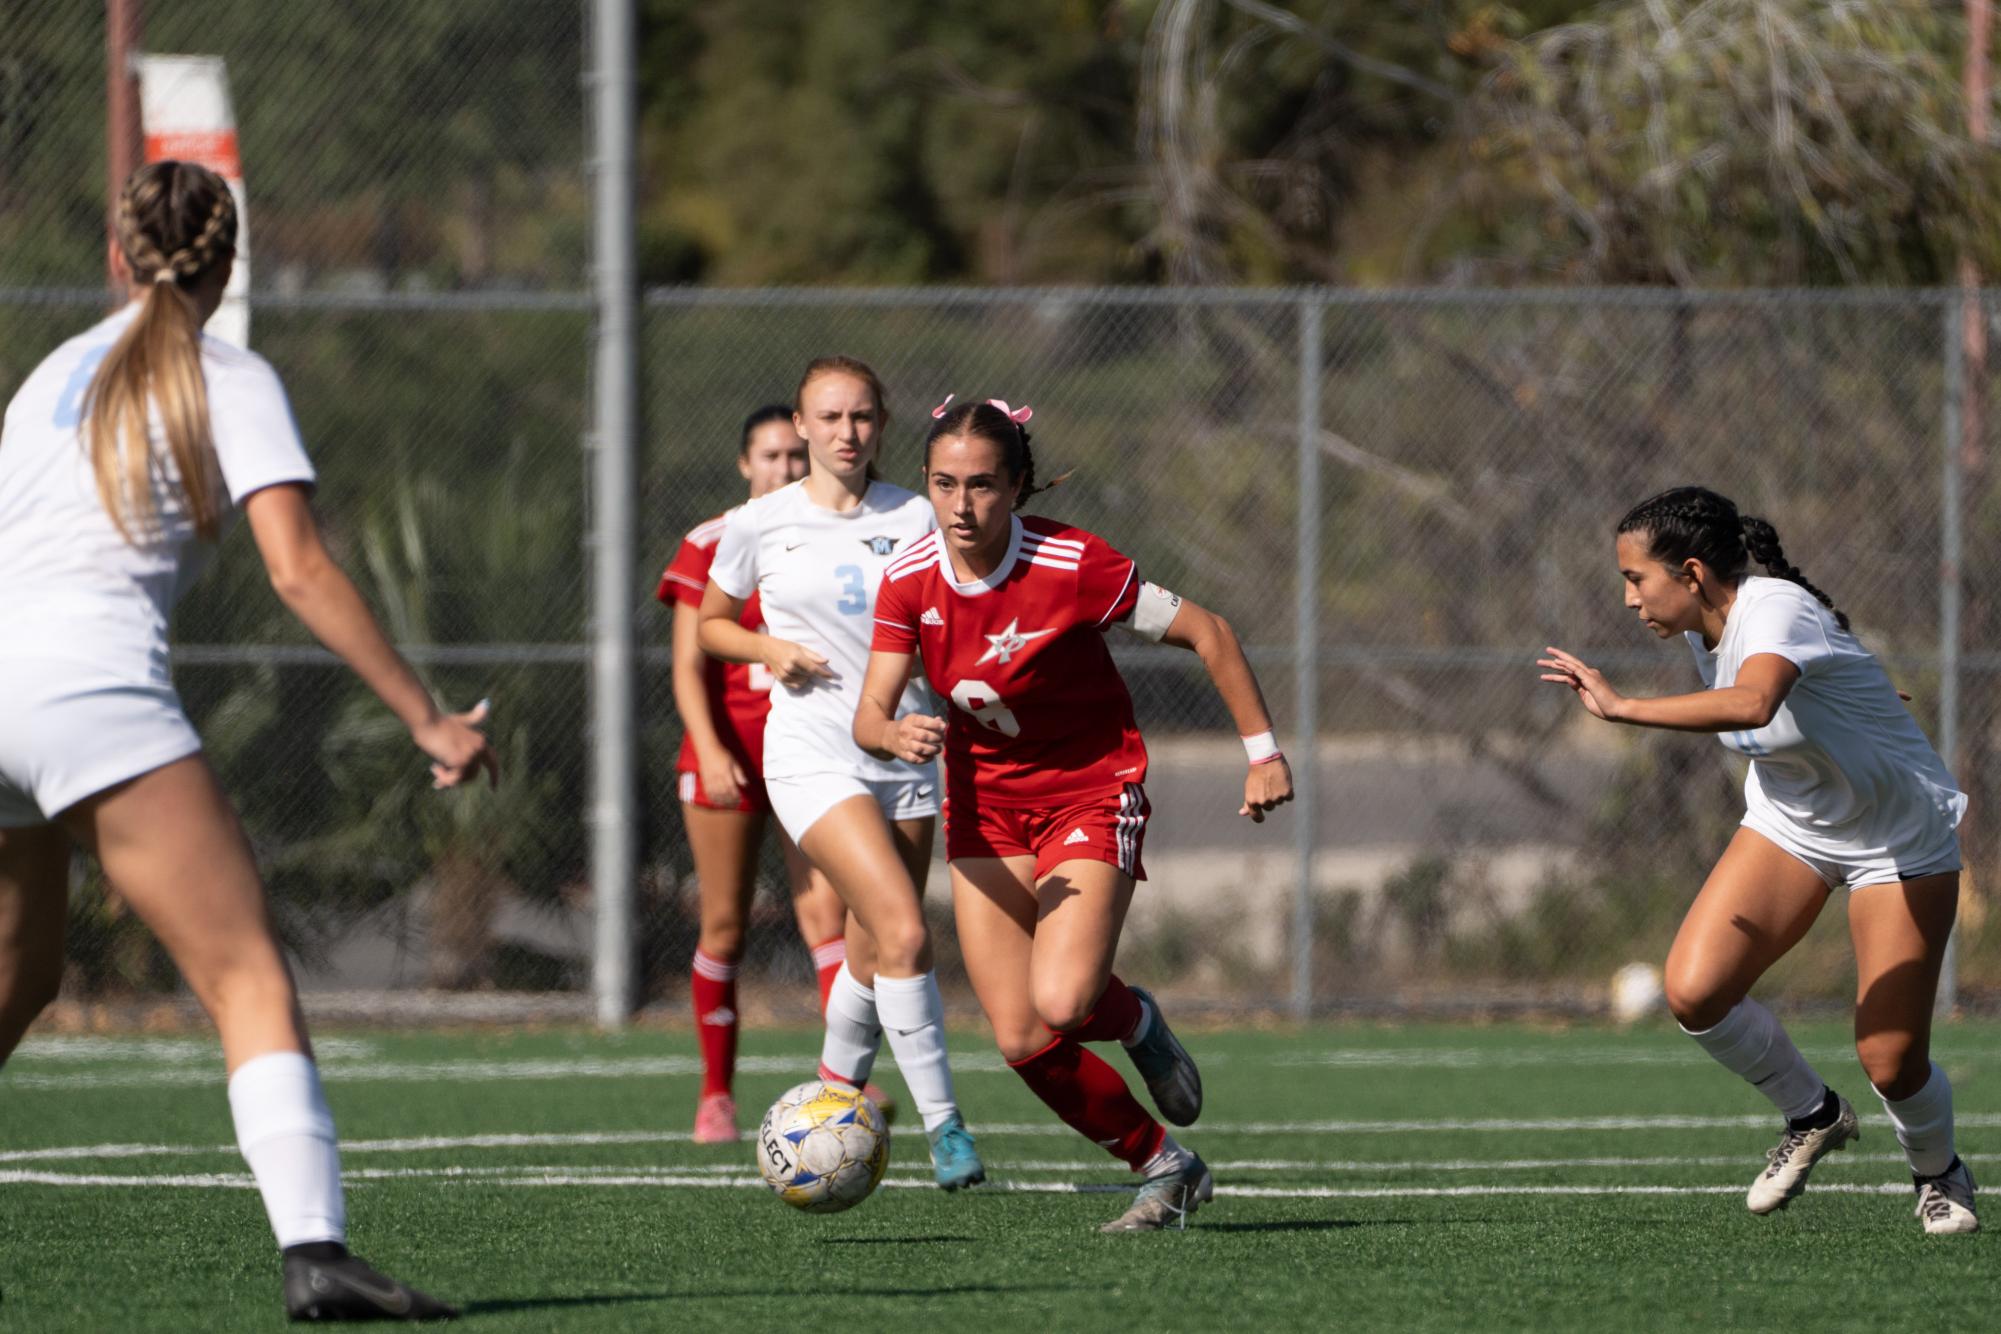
(931, 617)
(881, 546)
(1003, 646)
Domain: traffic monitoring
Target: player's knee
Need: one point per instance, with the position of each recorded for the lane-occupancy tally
(1062, 1009)
(902, 946)
(722, 941)
(1018, 1042)
(1898, 1064)
(1696, 1001)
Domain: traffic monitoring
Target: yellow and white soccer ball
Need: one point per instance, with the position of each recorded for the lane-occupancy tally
(823, 1147)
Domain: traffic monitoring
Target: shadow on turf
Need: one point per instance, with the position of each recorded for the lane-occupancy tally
(501, 1307)
(1304, 1225)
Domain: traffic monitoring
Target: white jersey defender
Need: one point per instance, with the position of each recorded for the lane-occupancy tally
(86, 698)
(1842, 778)
(816, 572)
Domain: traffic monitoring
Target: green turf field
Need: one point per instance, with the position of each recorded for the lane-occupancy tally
(1412, 1177)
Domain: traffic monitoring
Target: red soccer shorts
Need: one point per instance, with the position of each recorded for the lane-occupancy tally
(1107, 827)
(751, 797)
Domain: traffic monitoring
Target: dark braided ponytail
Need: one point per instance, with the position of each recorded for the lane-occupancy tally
(1761, 541)
(984, 421)
(1695, 523)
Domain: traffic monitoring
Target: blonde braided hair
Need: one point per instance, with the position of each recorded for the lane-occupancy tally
(175, 222)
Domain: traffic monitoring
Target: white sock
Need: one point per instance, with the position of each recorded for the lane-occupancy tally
(1139, 1029)
(854, 1033)
(1752, 1043)
(913, 1018)
(286, 1134)
(1924, 1125)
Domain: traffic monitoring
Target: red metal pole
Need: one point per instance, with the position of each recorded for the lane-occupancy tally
(124, 21)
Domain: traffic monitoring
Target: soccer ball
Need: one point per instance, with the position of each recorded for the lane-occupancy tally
(1636, 992)
(822, 1147)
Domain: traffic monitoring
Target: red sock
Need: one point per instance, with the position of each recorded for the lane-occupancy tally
(714, 984)
(1092, 1100)
(828, 956)
(1116, 1016)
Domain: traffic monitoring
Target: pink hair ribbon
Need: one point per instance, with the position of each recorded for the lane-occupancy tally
(1019, 416)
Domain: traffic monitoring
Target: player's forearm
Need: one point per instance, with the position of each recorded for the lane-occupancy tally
(327, 603)
(1216, 644)
(871, 728)
(722, 637)
(1731, 709)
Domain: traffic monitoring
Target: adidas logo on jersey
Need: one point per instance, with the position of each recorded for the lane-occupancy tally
(1076, 836)
(931, 617)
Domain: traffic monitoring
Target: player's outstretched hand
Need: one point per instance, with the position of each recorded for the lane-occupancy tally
(1594, 692)
(1266, 788)
(457, 747)
(795, 665)
(915, 738)
(723, 778)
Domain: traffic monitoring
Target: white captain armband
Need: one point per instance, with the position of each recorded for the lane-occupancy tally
(1154, 612)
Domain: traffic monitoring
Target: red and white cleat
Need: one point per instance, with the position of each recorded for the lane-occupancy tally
(715, 1119)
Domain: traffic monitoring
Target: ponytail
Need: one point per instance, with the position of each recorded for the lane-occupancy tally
(176, 222)
(1761, 543)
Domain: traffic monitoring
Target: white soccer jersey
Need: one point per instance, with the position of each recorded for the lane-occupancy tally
(72, 589)
(815, 572)
(1842, 771)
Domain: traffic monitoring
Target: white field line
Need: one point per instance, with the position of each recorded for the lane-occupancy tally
(1051, 1129)
(669, 1180)
(147, 1063)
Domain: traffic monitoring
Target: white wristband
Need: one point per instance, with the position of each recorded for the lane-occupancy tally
(1262, 748)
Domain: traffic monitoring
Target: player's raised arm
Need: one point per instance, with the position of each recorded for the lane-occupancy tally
(1268, 785)
(316, 590)
(1752, 702)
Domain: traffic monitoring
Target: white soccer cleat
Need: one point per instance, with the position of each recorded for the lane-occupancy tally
(1945, 1202)
(1178, 1185)
(1784, 1177)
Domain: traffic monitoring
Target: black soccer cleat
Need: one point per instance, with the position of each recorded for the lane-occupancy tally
(348, 1289)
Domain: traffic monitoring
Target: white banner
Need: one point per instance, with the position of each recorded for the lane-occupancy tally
(187, 116)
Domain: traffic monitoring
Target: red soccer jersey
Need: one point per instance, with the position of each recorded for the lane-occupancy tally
(1039, 712)
(739, 692)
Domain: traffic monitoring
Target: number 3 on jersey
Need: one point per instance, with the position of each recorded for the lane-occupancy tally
(854, 590)
(984, 703)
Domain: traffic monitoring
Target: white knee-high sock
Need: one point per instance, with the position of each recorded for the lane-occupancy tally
(1751, 1042)
(913, 1018)
(1924, 1125)
(286, 1134)
(854, 1033)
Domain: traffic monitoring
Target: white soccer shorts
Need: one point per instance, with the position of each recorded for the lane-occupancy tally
(65, 736)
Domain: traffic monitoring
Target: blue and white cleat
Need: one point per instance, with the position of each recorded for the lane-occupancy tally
(1169, 1071)
(954, 1160)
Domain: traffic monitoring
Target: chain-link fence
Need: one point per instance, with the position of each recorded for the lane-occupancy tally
(1408, 494)
(1475, 837)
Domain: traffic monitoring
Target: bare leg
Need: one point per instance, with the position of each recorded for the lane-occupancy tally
(34, 910)
(1900, 932)
(170, 844)
(1757, 904)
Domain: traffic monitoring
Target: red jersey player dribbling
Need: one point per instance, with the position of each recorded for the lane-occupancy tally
(1046, 807)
